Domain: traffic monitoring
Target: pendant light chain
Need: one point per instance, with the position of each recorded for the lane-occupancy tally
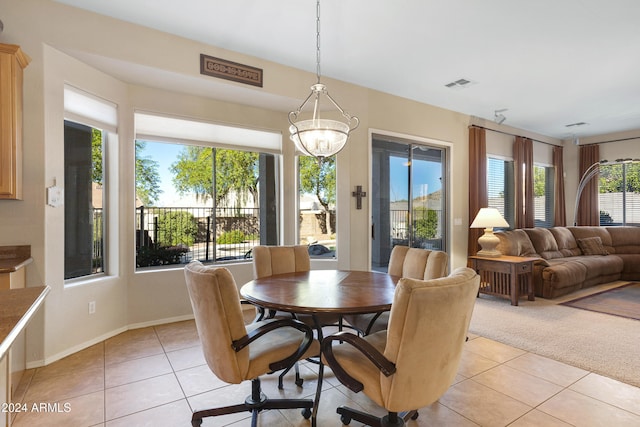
(316, 136)
(318, 40)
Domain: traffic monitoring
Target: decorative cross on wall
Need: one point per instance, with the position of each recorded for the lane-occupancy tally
(359, 194)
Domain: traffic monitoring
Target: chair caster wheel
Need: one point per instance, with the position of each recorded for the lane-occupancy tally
(306, 413)
(196, 422)
(299, 382)
(415, 416)
(345, 420)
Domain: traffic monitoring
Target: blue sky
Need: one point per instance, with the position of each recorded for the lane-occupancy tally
(426, 177)
(426, 174)
(164, 154)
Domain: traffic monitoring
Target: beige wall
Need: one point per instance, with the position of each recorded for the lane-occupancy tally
(62, 41)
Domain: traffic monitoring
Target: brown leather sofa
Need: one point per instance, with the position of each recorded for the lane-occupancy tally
(573, 258)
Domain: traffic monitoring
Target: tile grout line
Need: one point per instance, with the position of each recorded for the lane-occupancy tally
(173, 370)
(598, 399)
(562, 387)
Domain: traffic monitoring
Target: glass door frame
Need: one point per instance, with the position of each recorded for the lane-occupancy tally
(412, 141)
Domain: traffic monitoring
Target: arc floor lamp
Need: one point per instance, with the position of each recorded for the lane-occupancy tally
(592, 171)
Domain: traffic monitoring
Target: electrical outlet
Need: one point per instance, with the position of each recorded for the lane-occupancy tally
(92, 307)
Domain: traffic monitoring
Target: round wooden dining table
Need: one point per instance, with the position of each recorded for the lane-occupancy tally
(323, 291)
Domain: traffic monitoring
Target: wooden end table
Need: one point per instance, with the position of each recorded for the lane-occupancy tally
(505, 276)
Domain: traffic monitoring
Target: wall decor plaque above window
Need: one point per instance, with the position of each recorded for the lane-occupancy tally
(229, 70)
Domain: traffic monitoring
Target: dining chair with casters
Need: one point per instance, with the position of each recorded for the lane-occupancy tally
(412, 263)
(274, 260)
(236, 352)
(414, 361)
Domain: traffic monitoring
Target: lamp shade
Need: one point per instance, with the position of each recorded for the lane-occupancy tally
(489, 218)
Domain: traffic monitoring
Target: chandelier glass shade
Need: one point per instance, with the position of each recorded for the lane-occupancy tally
(316, 136)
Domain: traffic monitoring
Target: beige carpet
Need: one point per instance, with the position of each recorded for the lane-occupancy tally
(601, 343)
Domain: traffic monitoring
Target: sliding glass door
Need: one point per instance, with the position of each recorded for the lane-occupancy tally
(409, 197)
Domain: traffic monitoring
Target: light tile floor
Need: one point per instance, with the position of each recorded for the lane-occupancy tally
(157, 376)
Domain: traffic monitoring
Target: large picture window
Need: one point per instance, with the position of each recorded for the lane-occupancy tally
(202, 200)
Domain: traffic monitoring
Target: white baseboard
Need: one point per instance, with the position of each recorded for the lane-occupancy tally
(47, 360)
(160, 321)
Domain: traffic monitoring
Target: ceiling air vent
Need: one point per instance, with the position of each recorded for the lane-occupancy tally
(577, 124)
(459, 84)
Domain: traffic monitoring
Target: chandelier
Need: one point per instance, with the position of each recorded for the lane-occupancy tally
(320, 137)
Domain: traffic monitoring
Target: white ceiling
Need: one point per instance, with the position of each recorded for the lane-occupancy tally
(550, 63)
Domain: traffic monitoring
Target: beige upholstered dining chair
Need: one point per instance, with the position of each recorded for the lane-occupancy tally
(236, 352)
(412, 363)
(274, 260)
(412, 263)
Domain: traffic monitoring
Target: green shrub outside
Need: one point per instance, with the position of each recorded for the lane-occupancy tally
(177, 228)
(427, 228)
(233, 236)
(147, 256)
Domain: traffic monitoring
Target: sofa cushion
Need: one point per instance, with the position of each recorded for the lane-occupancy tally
(600, 266)
(544, 243)
(564, 274)
(585, 231)
(625, 240)
(515, 243)
(592, 246)
(631, 266)
(566, 242)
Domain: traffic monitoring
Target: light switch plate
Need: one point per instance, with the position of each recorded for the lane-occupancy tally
(55, 196)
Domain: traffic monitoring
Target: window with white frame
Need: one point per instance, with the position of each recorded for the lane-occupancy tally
(317, 205)
(500, 185)
(89, 123)
(619, 194)
(203, 191)
(543, 189)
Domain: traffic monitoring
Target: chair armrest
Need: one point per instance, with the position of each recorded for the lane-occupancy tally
(269, 326)
(370, 352)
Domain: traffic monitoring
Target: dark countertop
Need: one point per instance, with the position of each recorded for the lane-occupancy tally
(13, 258)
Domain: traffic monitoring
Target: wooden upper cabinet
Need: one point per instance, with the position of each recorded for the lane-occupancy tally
(12, 62)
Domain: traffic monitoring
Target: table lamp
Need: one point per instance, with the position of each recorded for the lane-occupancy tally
(488, 218)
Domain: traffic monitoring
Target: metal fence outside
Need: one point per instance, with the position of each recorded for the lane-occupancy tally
(97, 258)
(181, 234)
(426, 233)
